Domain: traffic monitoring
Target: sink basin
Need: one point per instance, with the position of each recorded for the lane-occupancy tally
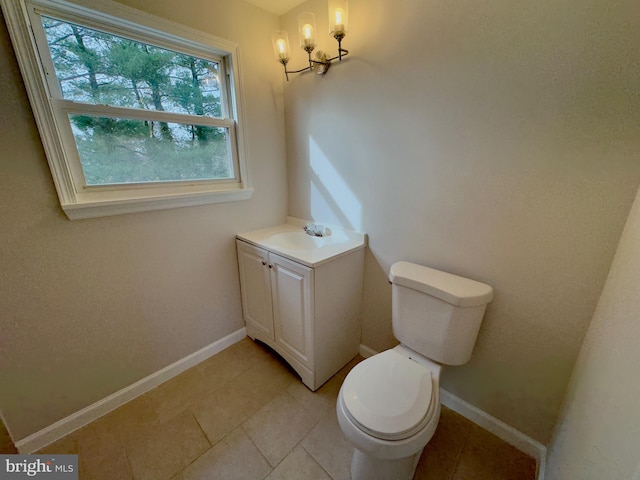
(291, 241)
(297, 241)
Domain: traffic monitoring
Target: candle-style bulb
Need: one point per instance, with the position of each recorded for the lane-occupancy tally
(307, 30)
(281, 49)
(338, 17)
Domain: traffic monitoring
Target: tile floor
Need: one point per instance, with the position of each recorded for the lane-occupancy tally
(6, 444)
(243, 414)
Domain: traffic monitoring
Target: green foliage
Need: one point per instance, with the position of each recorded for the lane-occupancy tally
(140, 157)
(99, 68)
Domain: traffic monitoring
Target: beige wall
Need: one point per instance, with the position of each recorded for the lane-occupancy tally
(598, 431)
(89, 307)
(494, 140)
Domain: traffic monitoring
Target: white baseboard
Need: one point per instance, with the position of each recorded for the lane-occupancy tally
(88, 414)
(366, 352)
(514, 437)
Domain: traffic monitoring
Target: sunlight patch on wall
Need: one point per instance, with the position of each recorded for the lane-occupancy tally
(332, 201)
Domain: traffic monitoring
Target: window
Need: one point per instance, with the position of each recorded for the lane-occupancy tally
(135, 113)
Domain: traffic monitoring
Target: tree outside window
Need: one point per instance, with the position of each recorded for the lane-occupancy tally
(99, 68)
(135, 112)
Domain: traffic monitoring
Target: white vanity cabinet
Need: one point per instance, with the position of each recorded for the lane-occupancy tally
(309, 314)
(277, 300)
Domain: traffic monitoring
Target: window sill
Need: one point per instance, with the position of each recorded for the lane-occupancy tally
(78, 200)
(94, 209)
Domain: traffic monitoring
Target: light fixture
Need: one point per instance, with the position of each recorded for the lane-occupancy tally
(338, 22)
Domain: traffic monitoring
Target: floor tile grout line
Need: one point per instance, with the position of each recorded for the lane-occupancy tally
(314, 459)
(283, 391)
(212, 444)
(196, 458)
(457, 468)
(126, 456)
(455, 458)
(316, 421)
(195, 417)
(258, 449)
(460, 453)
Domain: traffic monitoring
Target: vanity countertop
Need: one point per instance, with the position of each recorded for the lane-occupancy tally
(291, 241)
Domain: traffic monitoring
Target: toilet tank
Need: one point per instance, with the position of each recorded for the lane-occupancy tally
(435, 313)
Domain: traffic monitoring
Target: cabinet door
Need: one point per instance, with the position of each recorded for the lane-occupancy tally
(256, 290)
(292, 291)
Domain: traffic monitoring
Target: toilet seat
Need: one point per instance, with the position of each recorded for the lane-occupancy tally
(389, 396)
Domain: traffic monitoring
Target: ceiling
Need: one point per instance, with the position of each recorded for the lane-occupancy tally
(276, 6)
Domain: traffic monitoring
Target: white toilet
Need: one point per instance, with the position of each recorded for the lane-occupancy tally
(389, 404)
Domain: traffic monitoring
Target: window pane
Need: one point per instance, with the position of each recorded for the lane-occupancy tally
(121, 151)
(99, 68)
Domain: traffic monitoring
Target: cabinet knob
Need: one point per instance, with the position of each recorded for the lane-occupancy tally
(263, 262)
(270, 266)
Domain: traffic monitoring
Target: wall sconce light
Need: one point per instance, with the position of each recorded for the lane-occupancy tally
(338, 22)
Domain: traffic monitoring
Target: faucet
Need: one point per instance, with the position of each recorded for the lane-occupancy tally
(315, 229)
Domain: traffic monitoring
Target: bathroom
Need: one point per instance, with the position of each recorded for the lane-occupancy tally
(498, 142)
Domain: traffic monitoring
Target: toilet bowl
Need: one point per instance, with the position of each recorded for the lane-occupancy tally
(389, 404)
(389, 408)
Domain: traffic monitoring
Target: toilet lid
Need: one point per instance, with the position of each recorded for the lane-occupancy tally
(388, 395)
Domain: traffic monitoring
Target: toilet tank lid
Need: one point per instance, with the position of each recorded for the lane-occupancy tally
(458, 291)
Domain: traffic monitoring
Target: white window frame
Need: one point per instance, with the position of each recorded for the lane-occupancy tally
(78, 200)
